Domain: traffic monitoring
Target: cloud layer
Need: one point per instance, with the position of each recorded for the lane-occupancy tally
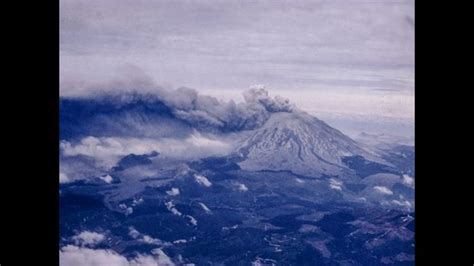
(87, 238)
(79, 256)
(231, 44)
(109, 150)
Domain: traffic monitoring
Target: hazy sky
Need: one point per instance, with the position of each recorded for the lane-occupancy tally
(334, 57)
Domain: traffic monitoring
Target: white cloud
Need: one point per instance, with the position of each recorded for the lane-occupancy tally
(80, 256)
(77, 256)
(137, 201)
(173, 192)
(107, 179)
(170, 206)
(242, 187)
(133, 233)
(408, 180)
(301, 181)
(404, 203)
(383, 190)
(202, 180)
(128, 210)
(162, 258)
(192, 220)
(150, 240)
(87, 238)
(110, 149)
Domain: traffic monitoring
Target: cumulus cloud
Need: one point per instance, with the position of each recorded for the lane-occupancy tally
(110, 149)
(127, 210)
(87, 238)
(76, 256)
(80, 256)
(171, 207)
(133, 233)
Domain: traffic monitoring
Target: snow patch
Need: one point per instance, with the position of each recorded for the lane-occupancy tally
(262, 261)
(335, 184)
(298, 180)
(204, 207)
(137, 201)
(202, 180)
(408, 180)
(383, 190)
(242, 187)
(173, 192)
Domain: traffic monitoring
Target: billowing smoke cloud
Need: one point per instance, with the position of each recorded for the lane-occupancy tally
(186, 104)
(259, 96)
(205, 110)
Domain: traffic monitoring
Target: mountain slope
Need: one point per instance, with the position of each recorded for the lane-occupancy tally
(301, 143)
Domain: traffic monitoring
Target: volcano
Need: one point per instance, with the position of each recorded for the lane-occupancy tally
(301, 143)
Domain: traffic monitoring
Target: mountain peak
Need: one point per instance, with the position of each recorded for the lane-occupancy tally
(298, 142)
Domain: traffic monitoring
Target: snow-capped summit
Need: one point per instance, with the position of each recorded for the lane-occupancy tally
(298, 142)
